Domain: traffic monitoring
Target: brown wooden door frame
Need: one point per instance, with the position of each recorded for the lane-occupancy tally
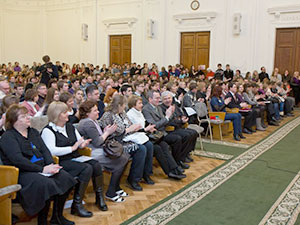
(195, 49)
(120, 50)
(287, 49)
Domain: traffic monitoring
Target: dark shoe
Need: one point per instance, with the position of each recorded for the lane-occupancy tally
(148, 180)
(236, 137)
(98, 188)
(273, 123)
(242, 136)
(176, 176)
(77, 208)
(189, 157)
(183, 165)
(135, 185)
(251, 130)
(43, 214)
(180, 169)
(289, 114)
(57, 214)
(187, 160)
(246, 131)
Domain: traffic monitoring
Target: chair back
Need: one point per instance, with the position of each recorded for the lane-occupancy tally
(39, 122)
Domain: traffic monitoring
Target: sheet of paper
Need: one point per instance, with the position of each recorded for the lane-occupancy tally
(190, 111)
(46, 174)
(82, 158)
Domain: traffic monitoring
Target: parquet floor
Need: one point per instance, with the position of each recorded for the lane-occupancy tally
(137, 201)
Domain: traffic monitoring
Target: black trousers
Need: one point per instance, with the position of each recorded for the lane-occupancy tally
(250, 118)
(182, 142)
(164, 157)
(82, 171)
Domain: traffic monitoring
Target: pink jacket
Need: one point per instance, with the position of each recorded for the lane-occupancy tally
(30, 109)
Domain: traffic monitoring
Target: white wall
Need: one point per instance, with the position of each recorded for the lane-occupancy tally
(31, 28)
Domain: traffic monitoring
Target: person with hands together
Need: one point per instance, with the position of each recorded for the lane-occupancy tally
(126, 133)
(63, 140)
(41, 179)
(161, 148)
(89, 128)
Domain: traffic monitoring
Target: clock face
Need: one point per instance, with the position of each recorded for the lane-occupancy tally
(195, 5)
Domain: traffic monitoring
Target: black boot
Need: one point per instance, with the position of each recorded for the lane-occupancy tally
(43, 214)
(58, 208)
(77, 207)
(98, 188)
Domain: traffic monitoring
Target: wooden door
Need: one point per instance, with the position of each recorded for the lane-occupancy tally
(287, 51)
(195, 49)
(120, 49)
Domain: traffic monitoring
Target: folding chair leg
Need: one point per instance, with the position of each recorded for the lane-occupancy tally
(221, 132)
(210, 133)
(201, 144)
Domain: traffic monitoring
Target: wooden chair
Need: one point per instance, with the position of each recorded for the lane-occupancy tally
(8, 188)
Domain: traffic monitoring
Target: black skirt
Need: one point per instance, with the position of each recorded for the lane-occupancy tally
(37, 189)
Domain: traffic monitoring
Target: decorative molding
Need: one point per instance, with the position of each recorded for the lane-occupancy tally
(284, 9)
(129, 21)
(278, 11)
(195, 16)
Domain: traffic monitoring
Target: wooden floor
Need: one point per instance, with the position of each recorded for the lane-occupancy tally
(252, 139)
(137, 201)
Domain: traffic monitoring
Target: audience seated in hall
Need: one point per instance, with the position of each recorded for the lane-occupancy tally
(129, 104)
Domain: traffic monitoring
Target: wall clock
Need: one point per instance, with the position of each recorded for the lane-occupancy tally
(195, 5)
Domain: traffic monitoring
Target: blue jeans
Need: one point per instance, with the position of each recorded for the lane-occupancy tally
(276, 109)
(149, 158)
(236, 118)
(281, 106)
(140, 162)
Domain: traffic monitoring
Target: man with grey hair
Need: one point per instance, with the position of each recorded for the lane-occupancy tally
(4, 88)
(178, 120)
(154, 115)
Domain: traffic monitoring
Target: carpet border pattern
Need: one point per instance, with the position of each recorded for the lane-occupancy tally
(168, 210)
(286, 209)
(226, 143)
(213, 155)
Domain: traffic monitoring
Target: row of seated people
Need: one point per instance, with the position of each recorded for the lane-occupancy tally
(248, 100)
(25, 148)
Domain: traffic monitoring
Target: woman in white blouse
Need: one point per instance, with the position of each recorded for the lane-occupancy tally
(63, 140)
(161, 149)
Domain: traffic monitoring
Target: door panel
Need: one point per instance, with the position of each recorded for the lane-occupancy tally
(120, 49)
(287, 49)
(195, 49)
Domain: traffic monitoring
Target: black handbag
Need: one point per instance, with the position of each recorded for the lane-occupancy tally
(112, 148)
(156, 136)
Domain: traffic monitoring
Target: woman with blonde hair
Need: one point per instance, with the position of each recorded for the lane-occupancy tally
(63, 140)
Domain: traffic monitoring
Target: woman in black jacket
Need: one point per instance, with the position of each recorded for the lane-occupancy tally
(41, 179)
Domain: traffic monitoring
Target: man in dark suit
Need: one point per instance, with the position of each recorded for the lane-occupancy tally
(250, 116)
(228, 73)
(92, 93)
(154, 115)
(189, 136)
(263, 74)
